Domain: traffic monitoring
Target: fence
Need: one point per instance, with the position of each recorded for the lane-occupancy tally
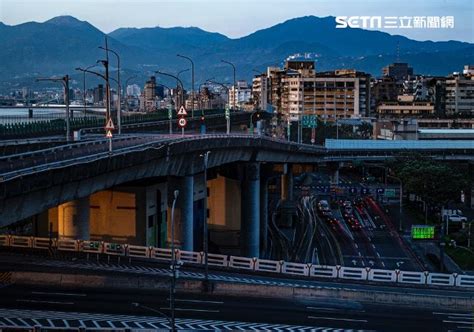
(243, 263)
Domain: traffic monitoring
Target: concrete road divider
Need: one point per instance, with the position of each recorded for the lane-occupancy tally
(189, 257)
(215, 259)
(382, 275)
(4, 241)
(465, 280)
(91, 247)
(43, 243)
(21, 241)
(115, 249)
(161, 254)
(299, 269)
(265, 265)
(67, 245)
(138, 251)
(241, 262)
(322, 271)
(411, 277)
(440, 279)
(354, 273)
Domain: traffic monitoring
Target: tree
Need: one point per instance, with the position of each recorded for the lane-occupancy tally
(437, 183)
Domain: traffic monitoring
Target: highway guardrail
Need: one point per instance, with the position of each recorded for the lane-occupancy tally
(307, 270)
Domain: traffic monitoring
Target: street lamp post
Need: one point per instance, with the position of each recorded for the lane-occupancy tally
(177, 80)
(119, 111)
(84, 90)
(107, 95)
(228, 118)
(205, 245)
(234, 86)
(65, 82)
(192, 81)
(170, 115)
(173, 262)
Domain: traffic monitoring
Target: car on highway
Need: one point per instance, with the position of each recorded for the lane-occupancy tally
(457, 218)
(324, 208)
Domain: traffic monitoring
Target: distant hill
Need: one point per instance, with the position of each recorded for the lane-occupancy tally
(63, 43)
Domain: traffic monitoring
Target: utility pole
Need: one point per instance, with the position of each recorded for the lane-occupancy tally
(192, 81)
(65, 82)
(119, 94)
(205, 157)
(234, 87)
(173, 264)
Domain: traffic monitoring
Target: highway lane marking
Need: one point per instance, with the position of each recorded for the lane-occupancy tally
(454, 314)
(326, 309)
(383, 264)
(335, 309)
(355, 245)
(197, 301)
(62, 294)
(341, 319)
(373, 245)
(456, 322)
(189, 309)
(48, 302)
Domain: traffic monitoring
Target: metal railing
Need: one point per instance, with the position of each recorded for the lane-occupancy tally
(245, 264)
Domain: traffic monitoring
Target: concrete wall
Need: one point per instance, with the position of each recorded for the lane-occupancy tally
(224, 204)
(113, 216)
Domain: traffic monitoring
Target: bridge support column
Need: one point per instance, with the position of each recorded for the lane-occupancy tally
(183, 215)
(263, 215)
(250, 226)
(73, 219)
(287, 183)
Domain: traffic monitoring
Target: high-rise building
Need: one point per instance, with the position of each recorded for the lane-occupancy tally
(460, 92)
(99, 94)
(405, 106)
(298, 90)
(399, 71)
(240, 94)
(133, 90)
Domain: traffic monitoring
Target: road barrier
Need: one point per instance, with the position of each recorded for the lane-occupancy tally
(189, 257)
(299, 269)
(138, 251)
(411, 277)
(320, 271)
(265, 265)
(243, 263)
(382, 275)
(216, 260)
(354, 273)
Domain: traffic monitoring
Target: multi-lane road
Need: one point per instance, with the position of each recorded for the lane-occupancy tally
(366, 235)
(48, 306)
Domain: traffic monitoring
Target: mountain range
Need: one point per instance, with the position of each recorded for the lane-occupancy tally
(59, 45)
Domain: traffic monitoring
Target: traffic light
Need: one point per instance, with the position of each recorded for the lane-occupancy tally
(203, 119)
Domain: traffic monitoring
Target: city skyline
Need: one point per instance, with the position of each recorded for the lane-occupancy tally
(234, 20)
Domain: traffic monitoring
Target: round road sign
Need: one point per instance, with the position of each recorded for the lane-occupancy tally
(182, 122)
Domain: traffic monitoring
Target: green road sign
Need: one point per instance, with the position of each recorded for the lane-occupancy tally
(422, 232)
(389, 192)
(309, 121)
